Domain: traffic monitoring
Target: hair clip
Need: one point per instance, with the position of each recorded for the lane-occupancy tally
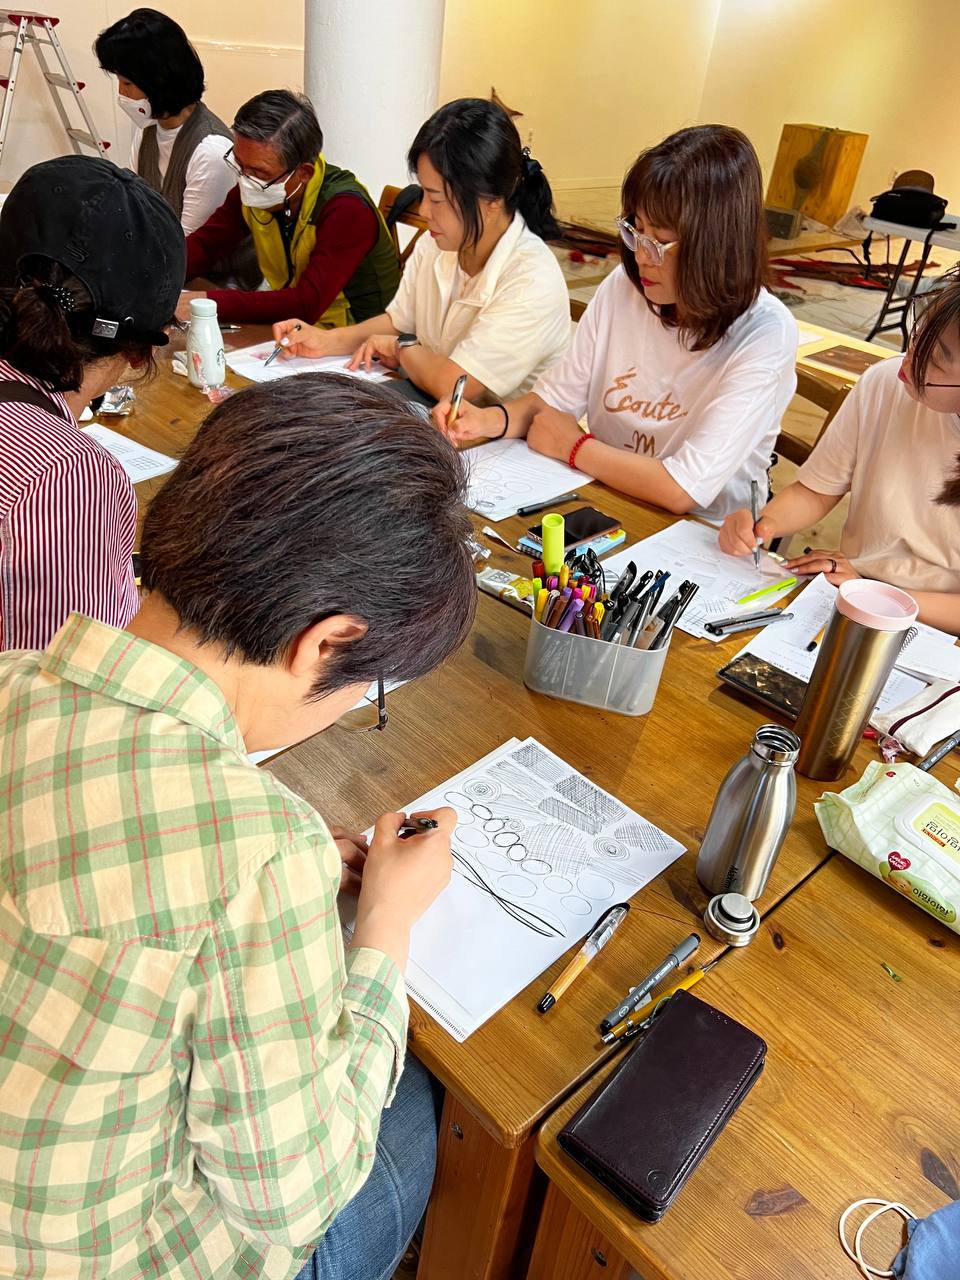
(530, 166)
(59, 294)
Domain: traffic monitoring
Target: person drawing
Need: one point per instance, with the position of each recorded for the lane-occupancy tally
(682, 363)
(894, 447)
(482, 293)
(179, 143)
(91, 264)
(321, 244)
(217, 1083)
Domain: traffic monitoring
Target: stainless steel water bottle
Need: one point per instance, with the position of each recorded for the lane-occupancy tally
(859, 647)
(751, 816)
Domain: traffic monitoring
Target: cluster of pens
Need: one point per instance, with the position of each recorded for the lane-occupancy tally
(634, 615)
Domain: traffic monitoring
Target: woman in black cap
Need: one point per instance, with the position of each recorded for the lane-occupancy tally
(91, 265)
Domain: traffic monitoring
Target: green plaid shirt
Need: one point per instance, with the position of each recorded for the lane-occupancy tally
(191, 1071)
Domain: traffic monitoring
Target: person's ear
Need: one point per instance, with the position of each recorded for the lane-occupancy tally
(315, 645)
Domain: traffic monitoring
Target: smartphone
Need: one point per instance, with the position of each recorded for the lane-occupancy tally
(580, 526)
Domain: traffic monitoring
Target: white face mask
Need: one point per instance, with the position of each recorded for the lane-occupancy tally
(254, 196)
(138, 109)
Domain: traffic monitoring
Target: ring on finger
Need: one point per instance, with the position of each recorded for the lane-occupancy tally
(833, 566)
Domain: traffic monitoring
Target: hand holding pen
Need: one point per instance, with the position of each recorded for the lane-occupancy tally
(743, 535)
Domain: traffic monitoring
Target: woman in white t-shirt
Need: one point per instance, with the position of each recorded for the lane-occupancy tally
(482, 294)
(682, 362)
(895, 448)
(179, 144)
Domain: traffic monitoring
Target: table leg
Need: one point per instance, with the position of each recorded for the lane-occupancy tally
(483, 1211)
(568, 1247)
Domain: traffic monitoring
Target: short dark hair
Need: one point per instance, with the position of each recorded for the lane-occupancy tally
(52, 342)
(153, 52)
(474, 146)
(310, 497)
(705, 182)
(284, 120)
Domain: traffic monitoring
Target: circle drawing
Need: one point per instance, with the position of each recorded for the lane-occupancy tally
(536, 866)
(517, 886)
(576, 906)
(480, 811)
(493, 861)
(473, 838)
(607, 847)
(505, 839)
(493, 825)
(594, 886)
(460, 802)
(482, 789)
(517, 852)
(558, 884)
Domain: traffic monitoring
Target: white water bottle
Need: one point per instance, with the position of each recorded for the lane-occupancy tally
(205, 364)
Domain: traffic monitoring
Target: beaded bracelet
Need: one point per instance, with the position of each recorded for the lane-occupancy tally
(571, 461)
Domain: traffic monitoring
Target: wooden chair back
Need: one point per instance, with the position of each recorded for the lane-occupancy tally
(409, 219)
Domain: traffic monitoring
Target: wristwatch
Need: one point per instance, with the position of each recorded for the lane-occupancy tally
(406, 340)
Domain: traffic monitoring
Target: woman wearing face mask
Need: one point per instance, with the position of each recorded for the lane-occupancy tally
(481, 294)
(320, 241)
(179, 144)
(682, 362)
(895, 448)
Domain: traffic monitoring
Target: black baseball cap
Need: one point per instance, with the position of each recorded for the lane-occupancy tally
(116, 234)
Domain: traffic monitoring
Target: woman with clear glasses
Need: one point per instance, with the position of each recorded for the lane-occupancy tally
(682, 363)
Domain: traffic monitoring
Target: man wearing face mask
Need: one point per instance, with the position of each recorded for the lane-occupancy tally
(324, 250)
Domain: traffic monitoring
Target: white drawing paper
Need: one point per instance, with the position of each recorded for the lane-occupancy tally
(807, 336)
(784, 644)
(688, 550)
(540, 852)
(507, 474)
(250, 362)
(139, 462)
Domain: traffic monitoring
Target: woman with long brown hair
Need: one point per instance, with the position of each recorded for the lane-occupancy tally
(683, 363)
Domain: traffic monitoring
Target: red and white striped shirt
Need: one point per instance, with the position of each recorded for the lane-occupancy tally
(68, 517)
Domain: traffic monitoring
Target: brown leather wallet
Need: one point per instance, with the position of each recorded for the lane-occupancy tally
(644, 1132)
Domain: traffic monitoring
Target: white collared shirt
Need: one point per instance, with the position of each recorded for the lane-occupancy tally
(504, 326)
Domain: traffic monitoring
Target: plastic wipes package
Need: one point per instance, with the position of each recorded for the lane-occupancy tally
(903, 826)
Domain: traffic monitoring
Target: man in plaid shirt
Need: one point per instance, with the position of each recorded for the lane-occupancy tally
(192, 1069)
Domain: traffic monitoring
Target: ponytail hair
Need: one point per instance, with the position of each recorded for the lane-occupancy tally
(475, 147)
(45, 323)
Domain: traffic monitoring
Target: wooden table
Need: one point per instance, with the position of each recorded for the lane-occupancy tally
(858, 1098)
(667, 765)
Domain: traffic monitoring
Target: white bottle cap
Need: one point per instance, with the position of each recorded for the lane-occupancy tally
(203, 307)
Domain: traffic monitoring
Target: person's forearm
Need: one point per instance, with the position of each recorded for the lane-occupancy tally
(938, 609)
(521, 412)
(796, 507)
(644, 478)
(345, 341)
(437, 374)
(379, 930)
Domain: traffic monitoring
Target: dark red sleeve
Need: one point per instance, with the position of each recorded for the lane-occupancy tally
(222, 232)
(346, 232)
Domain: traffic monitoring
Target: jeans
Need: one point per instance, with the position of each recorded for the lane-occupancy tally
(370, 1235)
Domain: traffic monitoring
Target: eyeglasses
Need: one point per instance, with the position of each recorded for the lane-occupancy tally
(229, 159)
(636, 242)
(369, 716)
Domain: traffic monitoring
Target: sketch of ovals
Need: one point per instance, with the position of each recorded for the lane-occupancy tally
(461, 803)
(576, 906)
(515, 886)
(608, 847)
(594, 886)
(484, 789)
(493, 825)
(506, 839)
(536, 866)
(558, 884)
(482, 812)
(517, 853)
(473, 838)
(494, 861)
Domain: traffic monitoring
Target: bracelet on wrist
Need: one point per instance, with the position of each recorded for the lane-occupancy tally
(506, 421)
(581, 441)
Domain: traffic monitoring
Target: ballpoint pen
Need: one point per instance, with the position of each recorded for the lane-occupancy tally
(630, 1026)
(595, 941)
(732, 626)
(415, 827)
(673, 960)
(537, 507)
(755, 510)
(456, 399)
(284, 342)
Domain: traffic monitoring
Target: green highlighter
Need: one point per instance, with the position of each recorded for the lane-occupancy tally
(768, 591)
(552, 534)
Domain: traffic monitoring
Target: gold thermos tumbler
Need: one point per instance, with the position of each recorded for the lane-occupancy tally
(857, 653)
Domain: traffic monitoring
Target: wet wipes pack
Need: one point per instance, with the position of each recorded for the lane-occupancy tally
(903, 826)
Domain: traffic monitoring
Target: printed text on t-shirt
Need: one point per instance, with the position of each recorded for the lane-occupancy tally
(618, 398)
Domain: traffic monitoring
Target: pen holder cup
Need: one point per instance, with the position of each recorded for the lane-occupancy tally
(595, 673)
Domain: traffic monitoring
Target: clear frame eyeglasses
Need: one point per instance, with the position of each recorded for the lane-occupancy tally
(370, 716)
(637, 242)
(230, 160)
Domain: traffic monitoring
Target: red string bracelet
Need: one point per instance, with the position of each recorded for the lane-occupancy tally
(571, 461)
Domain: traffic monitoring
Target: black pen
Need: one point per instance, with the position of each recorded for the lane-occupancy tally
(942, 749)
(673, 960)
(545, 506)
(415, 826)
(284, 342)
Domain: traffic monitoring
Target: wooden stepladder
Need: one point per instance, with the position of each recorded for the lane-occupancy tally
(36, 30)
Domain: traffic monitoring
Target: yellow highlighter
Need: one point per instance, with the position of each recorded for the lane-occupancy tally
(542, 596)
(629, 1026)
